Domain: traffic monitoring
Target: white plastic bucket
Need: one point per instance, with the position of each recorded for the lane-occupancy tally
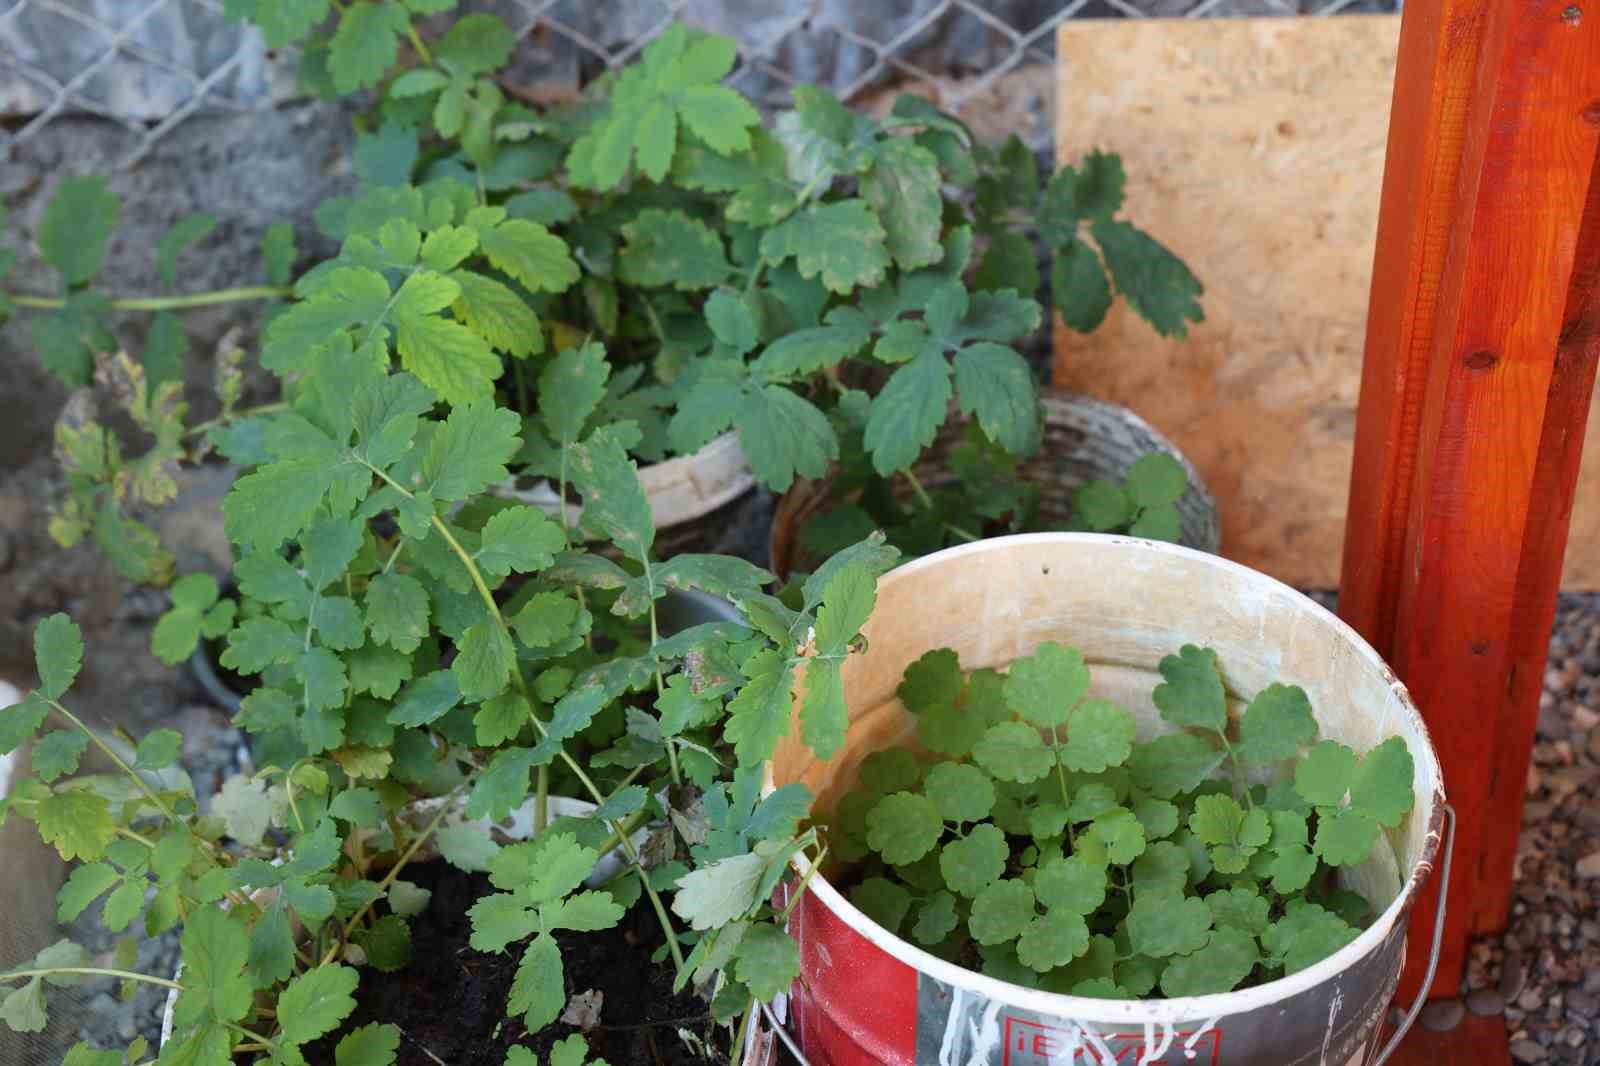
(866, 996)
(679, 490)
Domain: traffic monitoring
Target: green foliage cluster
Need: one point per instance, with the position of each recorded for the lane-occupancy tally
(984, 491)
(1045, 845)
(559, 293)
(739, 273)
(416, 639)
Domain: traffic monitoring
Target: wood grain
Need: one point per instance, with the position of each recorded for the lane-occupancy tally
(1255, 149)
(1481, 352)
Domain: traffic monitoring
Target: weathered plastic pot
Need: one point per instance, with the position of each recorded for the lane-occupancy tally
(679, 490)
(1085, 440)
(866, 996)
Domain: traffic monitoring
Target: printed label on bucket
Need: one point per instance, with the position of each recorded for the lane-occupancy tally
(1331, 1024)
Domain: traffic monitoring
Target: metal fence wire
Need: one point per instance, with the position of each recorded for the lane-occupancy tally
(150, 64)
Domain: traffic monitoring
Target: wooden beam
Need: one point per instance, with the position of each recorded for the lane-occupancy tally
(1482, 341)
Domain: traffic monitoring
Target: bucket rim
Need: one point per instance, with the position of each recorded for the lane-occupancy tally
(1210, 1008)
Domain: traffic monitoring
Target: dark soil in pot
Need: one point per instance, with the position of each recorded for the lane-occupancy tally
(450, 1002)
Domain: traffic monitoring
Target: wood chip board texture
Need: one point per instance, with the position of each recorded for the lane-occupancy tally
(1254, 149)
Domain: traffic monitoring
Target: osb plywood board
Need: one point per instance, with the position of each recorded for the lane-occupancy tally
(1254, 149)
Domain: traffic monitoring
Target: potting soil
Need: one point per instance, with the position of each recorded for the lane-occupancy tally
(450, 1002)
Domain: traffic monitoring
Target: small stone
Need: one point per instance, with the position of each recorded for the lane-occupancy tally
(1486, 1002)
(1527, 1051)
(1530, 999)
(1585, 718)
(1442, 1015)
(1589, 866)
(1582, 1003)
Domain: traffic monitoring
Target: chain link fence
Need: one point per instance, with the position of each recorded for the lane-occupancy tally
(148, 65)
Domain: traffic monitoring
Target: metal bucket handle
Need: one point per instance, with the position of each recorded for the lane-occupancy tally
(1438, 939)
(782, 1031)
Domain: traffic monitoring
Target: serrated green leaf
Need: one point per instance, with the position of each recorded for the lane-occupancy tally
(1345, 837)
(904, 827)
(1172, 764)
(1240, 907)
(768, 961)
(1155, 282)
(1227, 959)
(783, 435)
(934, 680)
(470, 450)
(216, 984)
(466, 846)
(373, 1044)
(1305, 935)
(972, 863)
(1155, 479)
(1382, 785)
(476, 44)
(903, 188)
(1044, 687)
(57, 753)
(722, 892)
(365, 45)
(995, 385)
(397, 611)
(1164, 923)
(497, 314)
(842, 243)
(670, 248)
(484, 662)
(1192, 693)
(86, 884)
(1275, 725)
(1013, 751)
(1052, 940)
(1325, 774)
(185, 232)
(1001, 912)
(79, 220)
(243, 807)
(961, 791)
(1078, 286)
(57, 655)
(315, 1003)
(78, 824)
(518, 540)
(936, 919)
(531, 254)
(907, 413)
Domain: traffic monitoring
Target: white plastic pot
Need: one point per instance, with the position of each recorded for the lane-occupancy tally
(679, 490)
(866, 996)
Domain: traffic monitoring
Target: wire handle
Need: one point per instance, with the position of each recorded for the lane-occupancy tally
(1438, 939)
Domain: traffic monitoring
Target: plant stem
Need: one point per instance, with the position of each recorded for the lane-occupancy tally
(394, 872)
(133, 775)
(927, 505)
(744, 1032)
(521, 685)
(800, 889)
(92, 971)
(416, 42)
(261, 409)
(165, 303)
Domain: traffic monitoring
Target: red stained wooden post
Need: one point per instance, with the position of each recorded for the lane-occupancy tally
(1482, 340)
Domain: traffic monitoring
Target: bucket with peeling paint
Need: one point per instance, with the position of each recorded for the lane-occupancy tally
(866, 996)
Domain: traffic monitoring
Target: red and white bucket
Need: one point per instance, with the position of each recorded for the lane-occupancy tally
(867, 997)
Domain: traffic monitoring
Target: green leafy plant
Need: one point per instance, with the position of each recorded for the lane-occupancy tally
(981, 490)
(1044, 844)
(417, 638)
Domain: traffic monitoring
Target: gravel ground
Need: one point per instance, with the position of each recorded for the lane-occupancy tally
(1544, 971)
